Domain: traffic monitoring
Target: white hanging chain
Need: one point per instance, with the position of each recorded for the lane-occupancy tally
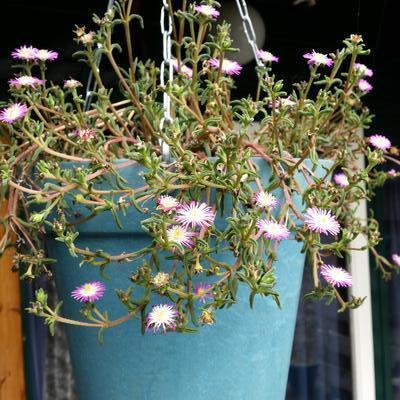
(166, 30)
(249, 29)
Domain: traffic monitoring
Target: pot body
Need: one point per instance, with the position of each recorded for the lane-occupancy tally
(244, 356)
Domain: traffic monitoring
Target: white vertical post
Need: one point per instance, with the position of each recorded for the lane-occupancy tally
(361, 331)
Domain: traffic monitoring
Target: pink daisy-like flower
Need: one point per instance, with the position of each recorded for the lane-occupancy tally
(273, 230)
(25, 80)
(265, 200)
(46, 55)
(26, 53)
(71, 84)
(392, 172)
(315, 58)
(180, 235)
(207, 10)
(195, 214)
(89, 292)
(341, 180)
(203, 292)
(321, 221)
(266, 56)
(162, 317)
(364, 86)
(336, 276)
(363, 70)
(13, 113)
(396, 259)
(186, 71)
(167, 203)
(228, 66)
(83, 134)
(380, 142)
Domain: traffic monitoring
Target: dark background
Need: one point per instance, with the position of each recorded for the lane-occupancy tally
(291, 31)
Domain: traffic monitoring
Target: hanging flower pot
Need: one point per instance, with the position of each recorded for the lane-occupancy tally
(243, 352)
(176, 219)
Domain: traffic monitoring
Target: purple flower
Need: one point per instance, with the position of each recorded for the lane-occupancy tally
(46, 55)
(336, 276)
(315, 58)
(321, 221)
(266, 56)
(195, 214)
(83, 134)
(161, 317)
(341, 180)
(392, 172)
(25, 80)
(364, 86)
(180, 235)
(228, 67)
(186, 71)
(203, 292)
(26, 53)
(396, 259)
(273, 230)
(207, 10)
(380, 142)
(13, 113)
(363, 70)
(89, 292)
(167, 203)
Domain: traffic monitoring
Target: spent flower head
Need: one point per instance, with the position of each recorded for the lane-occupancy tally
(71, 84)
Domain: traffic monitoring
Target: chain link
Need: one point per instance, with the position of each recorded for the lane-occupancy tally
(249, 29)
(166, 30)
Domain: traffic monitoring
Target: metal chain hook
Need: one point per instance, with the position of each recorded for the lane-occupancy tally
(166, 31)
(249, 29)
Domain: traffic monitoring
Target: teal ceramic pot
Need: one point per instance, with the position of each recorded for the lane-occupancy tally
(244, 356)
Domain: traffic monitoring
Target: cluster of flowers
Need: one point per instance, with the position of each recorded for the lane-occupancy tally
(200, 215)
(17, 111)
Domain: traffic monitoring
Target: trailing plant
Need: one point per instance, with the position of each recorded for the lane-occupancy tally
(63, 165)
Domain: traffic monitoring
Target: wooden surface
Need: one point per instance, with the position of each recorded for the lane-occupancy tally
(12, 386)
